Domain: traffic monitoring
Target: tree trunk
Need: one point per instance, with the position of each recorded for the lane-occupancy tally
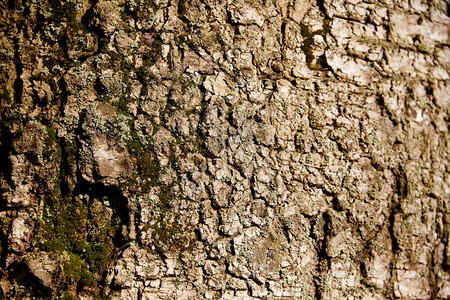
(276, 149)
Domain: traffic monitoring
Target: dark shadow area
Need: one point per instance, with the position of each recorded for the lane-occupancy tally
(64, 94)
(117, 202)
(321, 6)
(102, 39)
(21, 275)
(88, 16)
(322, 61)
(3, 250)
(6, 139)
(12, 4)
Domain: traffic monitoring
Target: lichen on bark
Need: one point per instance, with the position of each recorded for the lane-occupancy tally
(224, 149)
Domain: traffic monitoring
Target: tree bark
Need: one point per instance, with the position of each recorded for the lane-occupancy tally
(281, 149)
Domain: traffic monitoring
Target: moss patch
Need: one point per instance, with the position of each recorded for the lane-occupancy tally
(50, 144)
(170, 236)
(85, 243)
(147, 166)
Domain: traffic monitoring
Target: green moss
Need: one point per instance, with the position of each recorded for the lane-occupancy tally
(77, 271)
(53, 244)
(62, 12)
(124, 100)
(219, 38)
(152, 55)
(149, 168)
(69, 151)
(57, 57)
(167, 235)
(51, 133)
(172, 237)
(95, 254)
(60, 229)
(11, 116)
(67, 296)
(50, 144)
(104, 98)
(68, 229)
(63, 17)
(165, 196)
(134, 146)
(122, 105)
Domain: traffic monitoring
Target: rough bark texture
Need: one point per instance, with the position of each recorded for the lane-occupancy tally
(227, 149)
